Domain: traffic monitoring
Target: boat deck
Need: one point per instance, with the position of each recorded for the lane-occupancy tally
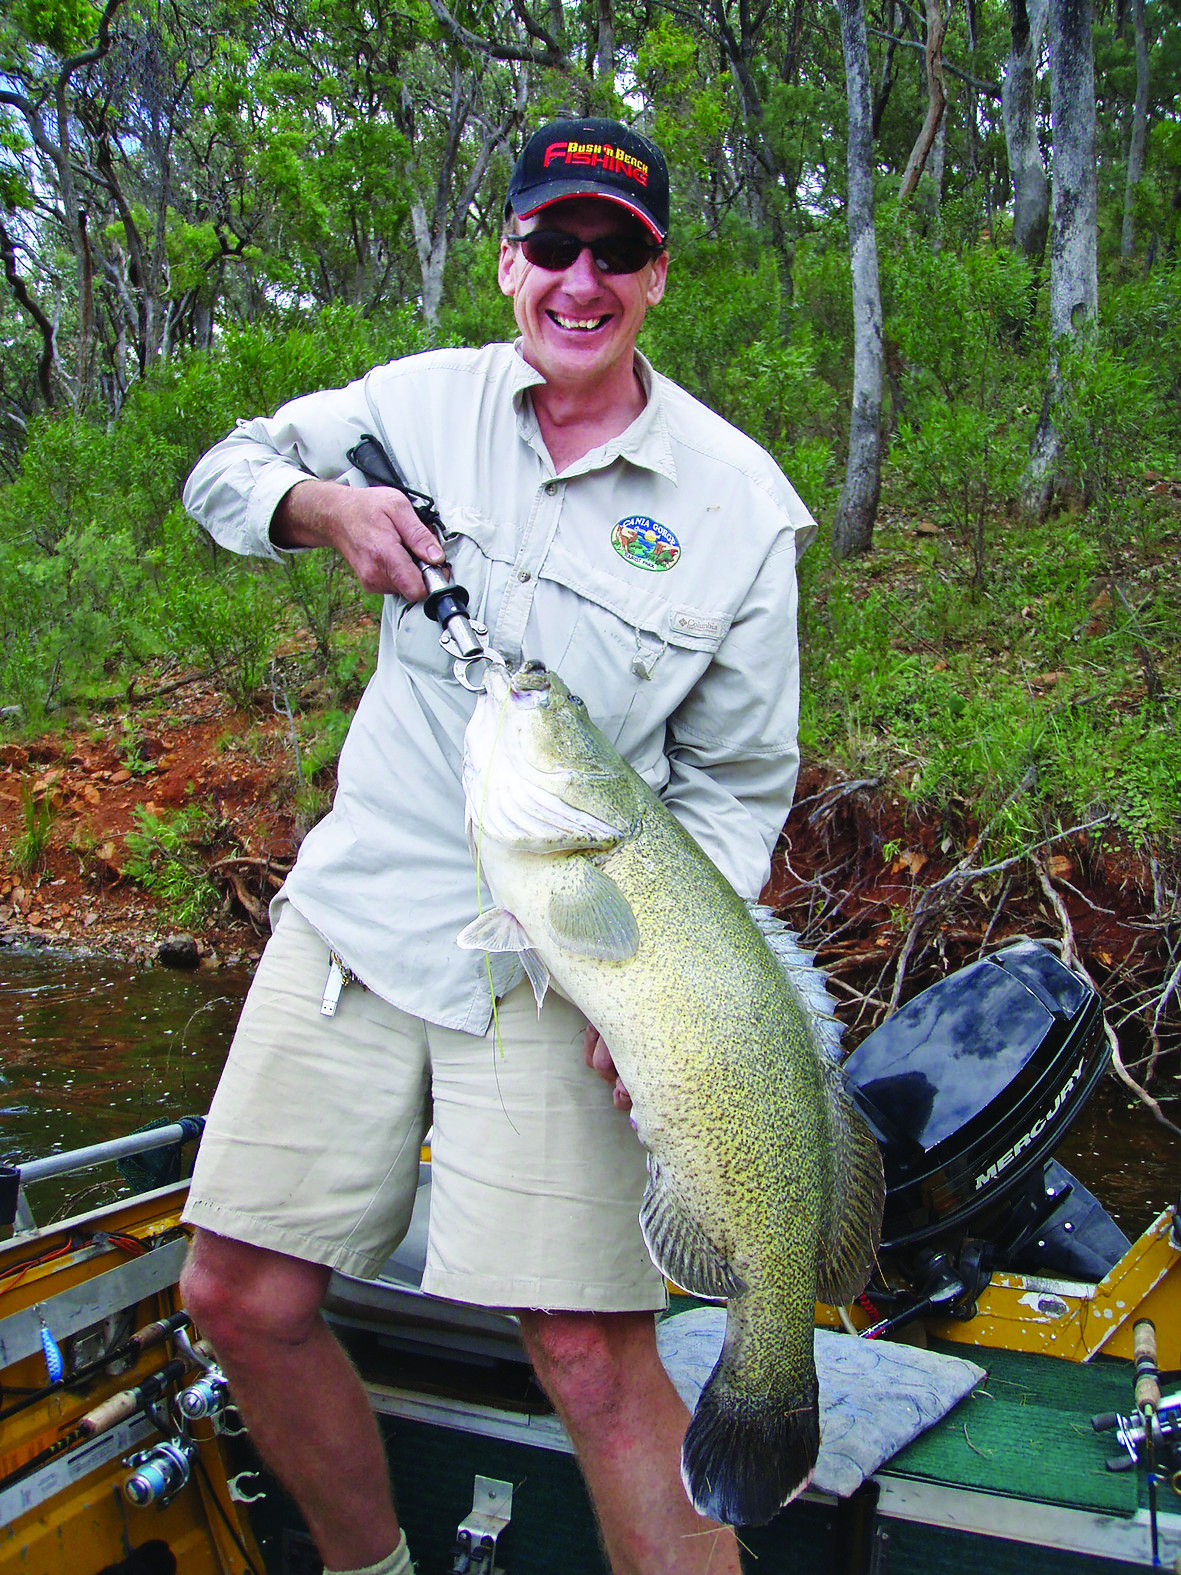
(1014, 1473)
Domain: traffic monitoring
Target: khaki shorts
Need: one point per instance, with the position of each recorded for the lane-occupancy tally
(312, 1143)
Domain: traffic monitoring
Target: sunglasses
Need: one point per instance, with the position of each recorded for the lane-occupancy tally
(557, 250)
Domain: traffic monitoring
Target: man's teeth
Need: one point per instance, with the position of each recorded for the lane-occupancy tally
(585, 324)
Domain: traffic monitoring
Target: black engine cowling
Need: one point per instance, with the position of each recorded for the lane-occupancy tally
(969, 1088)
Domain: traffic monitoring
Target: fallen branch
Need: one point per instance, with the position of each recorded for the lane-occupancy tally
(1072, 959)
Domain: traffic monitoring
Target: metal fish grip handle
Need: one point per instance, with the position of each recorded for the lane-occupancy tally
(464, 638)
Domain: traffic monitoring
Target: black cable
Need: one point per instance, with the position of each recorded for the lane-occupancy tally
(226, 1521)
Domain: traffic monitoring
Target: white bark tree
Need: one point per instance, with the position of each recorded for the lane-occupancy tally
(1074, 248)
(1031, 185)
(857, 510)
(1139, 132)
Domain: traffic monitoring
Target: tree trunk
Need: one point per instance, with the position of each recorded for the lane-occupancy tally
(1139, 131)
(857, 510)
(1031, 188)
(936, 102)
(1074, 248)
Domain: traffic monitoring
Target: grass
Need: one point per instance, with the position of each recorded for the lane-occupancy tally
(1047, 691)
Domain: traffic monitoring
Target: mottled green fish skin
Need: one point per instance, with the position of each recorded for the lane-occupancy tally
(733, 1094)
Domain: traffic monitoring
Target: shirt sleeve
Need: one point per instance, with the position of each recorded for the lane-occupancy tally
(236, 487)
(733, 747)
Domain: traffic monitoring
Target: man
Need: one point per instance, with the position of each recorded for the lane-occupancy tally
(610, 526)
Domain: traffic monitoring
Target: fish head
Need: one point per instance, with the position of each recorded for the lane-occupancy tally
(538, 775)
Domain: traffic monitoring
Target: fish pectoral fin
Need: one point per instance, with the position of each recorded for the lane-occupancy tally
(679, 1246)
(591, 917)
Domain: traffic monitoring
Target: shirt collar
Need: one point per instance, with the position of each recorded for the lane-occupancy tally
(647, 442)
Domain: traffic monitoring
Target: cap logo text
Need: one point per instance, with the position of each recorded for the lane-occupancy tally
(598, 155)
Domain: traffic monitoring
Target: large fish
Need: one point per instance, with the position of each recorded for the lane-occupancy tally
(765, 1186)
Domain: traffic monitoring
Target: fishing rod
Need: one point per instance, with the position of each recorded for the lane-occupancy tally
(1151, 1435)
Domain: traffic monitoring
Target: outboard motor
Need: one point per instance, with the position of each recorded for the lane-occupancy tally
(969, 1089)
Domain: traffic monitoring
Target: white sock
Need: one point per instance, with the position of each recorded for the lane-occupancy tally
(395, 1563)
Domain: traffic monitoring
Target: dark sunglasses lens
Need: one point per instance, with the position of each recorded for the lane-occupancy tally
(551, 249)
(555, 250)
(621, 253)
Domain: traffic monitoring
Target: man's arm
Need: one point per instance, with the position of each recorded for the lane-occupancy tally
(279, 484)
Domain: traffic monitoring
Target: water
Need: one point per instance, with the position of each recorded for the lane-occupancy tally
(92, 1048)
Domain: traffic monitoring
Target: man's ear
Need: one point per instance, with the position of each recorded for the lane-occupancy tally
(504, 269)
(657, 281)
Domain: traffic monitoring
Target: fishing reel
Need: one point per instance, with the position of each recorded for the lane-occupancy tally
(158, 1474)
(208, 1396)
(1158, 1438)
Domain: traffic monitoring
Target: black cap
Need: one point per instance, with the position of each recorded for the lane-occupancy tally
(591, 158)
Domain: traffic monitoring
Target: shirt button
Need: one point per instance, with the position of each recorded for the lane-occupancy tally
(550, 488)
(524, 576)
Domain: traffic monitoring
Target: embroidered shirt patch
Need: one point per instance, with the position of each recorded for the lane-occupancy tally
(645, 544)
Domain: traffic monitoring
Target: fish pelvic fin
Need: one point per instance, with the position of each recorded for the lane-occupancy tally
(590, 917)
(680, 1248)
(748, 1454)
(499, 931)
(849, 1242)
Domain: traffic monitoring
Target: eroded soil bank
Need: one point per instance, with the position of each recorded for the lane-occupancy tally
(892, 896)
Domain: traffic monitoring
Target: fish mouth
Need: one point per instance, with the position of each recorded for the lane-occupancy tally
(526, 686)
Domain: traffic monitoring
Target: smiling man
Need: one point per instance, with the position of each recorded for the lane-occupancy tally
(608, 525)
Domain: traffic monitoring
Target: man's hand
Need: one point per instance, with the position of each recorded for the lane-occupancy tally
(371, 528)
(597, 1056)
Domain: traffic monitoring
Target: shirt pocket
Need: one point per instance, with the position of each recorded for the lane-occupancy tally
(633, 653)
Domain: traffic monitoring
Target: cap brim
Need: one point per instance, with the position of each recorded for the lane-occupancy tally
(564, 190)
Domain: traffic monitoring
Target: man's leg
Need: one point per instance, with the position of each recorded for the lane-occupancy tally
(298, 1392)
(625, 1419)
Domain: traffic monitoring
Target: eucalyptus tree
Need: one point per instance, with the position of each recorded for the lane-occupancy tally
(1031, 185)
(857, 510)
(1074, 258)
(43, 50)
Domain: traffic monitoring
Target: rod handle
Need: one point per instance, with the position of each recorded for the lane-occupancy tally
(1147, 1376)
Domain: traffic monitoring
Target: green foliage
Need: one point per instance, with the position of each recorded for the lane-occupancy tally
(322, 738)
(39, 811)
(222, 616)
(167, 855)
(967, 395)
(1031, 695)
(98, 568)
(61, 25)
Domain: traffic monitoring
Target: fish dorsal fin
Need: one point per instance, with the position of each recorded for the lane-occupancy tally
(589, 915)
(500, 931)
(679, 1247)
(848, 1245)
(808, 981)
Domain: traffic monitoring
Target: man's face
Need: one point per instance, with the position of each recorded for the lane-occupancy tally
(579, 326)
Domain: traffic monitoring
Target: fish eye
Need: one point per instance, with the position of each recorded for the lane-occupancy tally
(577, 700)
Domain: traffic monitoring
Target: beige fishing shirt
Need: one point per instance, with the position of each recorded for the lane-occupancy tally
(656, 575)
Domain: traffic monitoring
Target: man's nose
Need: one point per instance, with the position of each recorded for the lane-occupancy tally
(583, 273)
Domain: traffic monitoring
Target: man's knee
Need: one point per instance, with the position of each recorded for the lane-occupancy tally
(239, 1295)
(587, 1361)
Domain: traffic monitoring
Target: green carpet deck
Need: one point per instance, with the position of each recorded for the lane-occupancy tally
(1026, 1432)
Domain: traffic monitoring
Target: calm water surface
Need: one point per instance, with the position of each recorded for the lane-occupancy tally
(91, 1049)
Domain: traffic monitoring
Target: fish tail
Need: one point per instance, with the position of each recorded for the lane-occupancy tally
(747, 1454)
